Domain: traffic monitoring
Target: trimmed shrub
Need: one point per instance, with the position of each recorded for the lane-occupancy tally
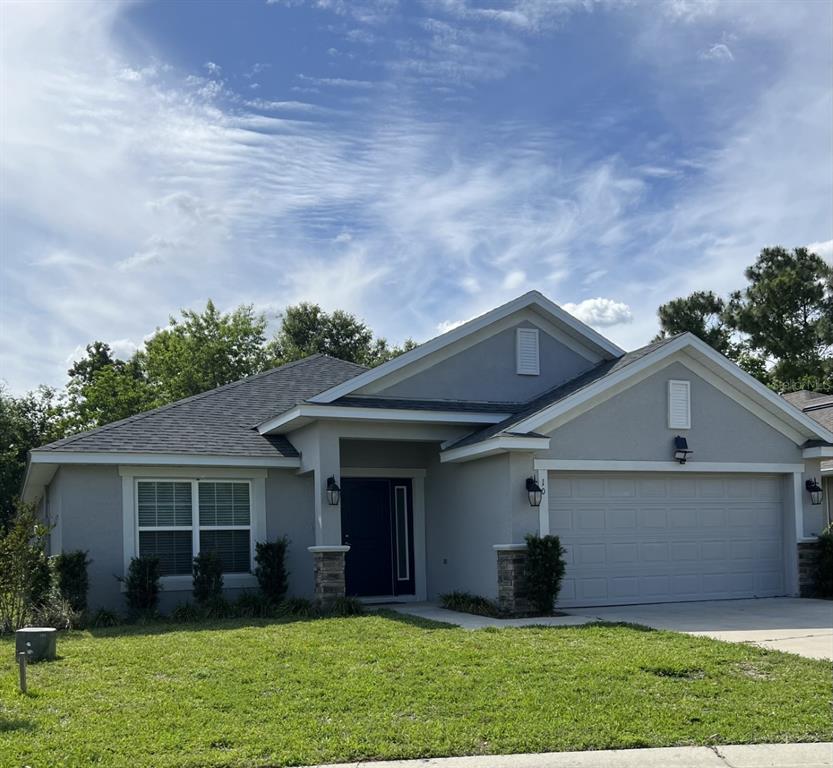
(271, 572)
(71, 579)
(466, 602)
(142, 587)
(824, 564)
(544, 571)
(208, 577)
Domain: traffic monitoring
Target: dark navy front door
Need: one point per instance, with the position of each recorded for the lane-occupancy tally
(377, 523)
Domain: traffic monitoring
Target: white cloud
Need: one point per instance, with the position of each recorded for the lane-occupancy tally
(212, 68)
(823, 248)
(719, 52)
(600, 312)
(514, 279)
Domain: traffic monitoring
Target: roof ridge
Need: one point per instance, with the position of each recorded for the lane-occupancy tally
(191, 398)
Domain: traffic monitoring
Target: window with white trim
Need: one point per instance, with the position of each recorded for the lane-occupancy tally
(679, 404)
(527, 356)
(177, 519)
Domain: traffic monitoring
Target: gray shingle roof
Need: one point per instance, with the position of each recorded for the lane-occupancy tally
(599, 371)
(220, 421)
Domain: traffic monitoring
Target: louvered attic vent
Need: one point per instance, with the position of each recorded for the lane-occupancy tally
(679, 404)
(527, 352)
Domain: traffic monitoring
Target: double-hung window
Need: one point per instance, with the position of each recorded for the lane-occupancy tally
(177, 519)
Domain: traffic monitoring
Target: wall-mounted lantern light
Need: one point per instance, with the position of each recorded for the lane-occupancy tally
(534, 491)
(333, 492)
(681, 449)
(814, 489)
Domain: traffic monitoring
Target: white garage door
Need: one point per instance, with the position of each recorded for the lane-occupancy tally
(646, 538)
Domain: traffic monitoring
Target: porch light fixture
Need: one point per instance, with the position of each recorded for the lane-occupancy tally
(534, 491)
(814, 489)
(681, 449)
(333, 492)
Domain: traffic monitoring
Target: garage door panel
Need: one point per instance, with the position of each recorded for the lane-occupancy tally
(663, 537)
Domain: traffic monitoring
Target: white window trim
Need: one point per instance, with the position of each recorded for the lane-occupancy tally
(130, 520)
(536, 369)
(407, 575)
(687, 384)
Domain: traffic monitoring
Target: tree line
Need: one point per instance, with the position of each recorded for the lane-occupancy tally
(198, 351)
(779, 328)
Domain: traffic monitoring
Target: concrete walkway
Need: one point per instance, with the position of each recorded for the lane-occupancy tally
(746, 756)
(793, 625)
(433, 612)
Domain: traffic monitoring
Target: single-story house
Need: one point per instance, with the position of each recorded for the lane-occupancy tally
(669, 473)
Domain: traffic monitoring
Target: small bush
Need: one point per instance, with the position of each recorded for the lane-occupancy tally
(270, 571)
(55, 612)
(218, 608)
(208, 577)
(104, 618)
(71, 578)
(466, 602)
(40, 586)
(142, 587)
(544, 571)
(298, 607)
(824, 564)
(185, 613)
(251, 605)
(21, 553)
(344, 606)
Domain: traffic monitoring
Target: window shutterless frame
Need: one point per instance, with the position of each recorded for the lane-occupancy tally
(195, 526)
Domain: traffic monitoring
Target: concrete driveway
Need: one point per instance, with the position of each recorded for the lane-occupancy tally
(787, 624)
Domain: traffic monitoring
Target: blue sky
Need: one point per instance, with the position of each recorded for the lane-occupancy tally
(414, 162)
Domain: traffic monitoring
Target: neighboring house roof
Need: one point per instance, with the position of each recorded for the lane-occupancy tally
(560, 392)
(816, 405)
(221, 421)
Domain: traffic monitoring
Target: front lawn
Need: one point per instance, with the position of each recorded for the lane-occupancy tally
(265, 693)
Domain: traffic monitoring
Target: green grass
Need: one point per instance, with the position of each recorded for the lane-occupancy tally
(266, 693)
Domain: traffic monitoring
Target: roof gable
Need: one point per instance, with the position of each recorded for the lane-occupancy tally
(533, 305)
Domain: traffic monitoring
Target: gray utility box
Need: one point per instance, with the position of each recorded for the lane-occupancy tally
(38, 643)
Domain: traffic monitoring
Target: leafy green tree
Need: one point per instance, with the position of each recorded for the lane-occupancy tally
(99, 355)
(700, 313)
(204, 350)
(306, 329)
(786, 312)
(25, 422)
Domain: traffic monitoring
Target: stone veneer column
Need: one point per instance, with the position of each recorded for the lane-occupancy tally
(808, 552)
(511, 578)
(328, 563)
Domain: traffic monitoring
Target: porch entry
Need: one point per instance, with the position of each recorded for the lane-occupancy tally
(377, 522)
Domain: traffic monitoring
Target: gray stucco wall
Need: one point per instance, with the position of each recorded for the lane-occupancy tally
(89, 502)
(467, 513)
(633, 426)
(290, 512)
(486, 371)
(86, 502)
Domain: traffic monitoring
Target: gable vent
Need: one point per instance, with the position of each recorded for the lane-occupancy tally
(527, 352)
(679, 404)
